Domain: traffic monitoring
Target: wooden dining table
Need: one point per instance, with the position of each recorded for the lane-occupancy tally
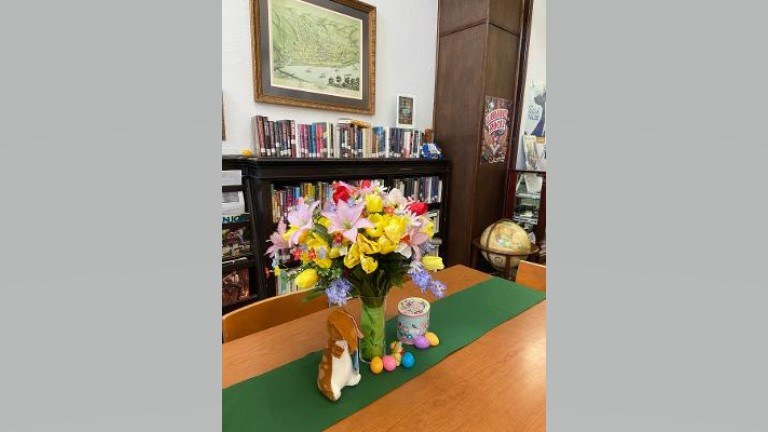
(496, 383)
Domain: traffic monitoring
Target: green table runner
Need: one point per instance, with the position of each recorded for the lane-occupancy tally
(287, 398)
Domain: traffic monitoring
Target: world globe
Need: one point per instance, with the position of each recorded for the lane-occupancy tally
(506, 237)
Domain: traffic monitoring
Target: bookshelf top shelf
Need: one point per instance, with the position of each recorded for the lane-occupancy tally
(320, 169)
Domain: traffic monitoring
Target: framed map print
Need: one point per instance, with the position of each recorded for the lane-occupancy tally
(314, 53)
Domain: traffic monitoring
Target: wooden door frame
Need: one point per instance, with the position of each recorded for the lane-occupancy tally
(522, 76)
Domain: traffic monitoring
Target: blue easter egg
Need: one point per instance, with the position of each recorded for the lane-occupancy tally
(408, 360)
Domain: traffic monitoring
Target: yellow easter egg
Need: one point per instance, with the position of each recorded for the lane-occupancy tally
(377, 365)
(432, 338)
(247, 153)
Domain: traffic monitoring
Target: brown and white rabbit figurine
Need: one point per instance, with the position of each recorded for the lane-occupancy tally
(340, 366)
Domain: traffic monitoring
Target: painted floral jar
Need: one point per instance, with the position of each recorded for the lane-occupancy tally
(412, 319)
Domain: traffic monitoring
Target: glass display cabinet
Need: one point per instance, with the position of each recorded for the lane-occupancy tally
(526, 205)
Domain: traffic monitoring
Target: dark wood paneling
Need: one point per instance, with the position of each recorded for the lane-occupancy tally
(502, 65)
(489, 208)
(506, 14)
(458, 105)
(455, 14)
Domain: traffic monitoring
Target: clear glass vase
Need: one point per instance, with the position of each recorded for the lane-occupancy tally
(372, 325)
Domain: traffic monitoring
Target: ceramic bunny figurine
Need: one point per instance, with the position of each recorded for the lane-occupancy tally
(340, 366)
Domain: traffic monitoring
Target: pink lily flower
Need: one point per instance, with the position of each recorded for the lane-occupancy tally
(409, 245)
(347, 219)
(278, 243)
(301, 219)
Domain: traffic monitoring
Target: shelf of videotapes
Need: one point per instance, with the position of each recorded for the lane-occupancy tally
(237, 241)
(346, 139)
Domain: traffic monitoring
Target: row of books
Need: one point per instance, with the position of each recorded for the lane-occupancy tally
(343, 140)
(285, 198)
(426, 189)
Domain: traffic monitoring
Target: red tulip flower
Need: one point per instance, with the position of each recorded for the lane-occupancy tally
(417, 207)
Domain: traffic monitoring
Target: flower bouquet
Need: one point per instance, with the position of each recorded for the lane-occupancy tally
(360, 244)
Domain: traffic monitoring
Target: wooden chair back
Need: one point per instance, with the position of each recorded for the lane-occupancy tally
(268, 313)
(532, 275)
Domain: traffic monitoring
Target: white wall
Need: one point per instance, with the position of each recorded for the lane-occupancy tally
(537, 63)
(406, 37)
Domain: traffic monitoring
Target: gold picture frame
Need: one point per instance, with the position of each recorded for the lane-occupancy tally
(292, 64)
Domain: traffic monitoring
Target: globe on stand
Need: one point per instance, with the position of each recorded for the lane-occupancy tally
(505, 240)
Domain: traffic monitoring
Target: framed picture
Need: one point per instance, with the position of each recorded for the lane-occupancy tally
(314, 53)
(405, 106)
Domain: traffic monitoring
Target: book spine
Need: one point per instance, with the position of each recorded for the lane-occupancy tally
(255, 135)
(268, 136)
(294, 147)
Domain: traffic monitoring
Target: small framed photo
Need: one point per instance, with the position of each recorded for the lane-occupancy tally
(405, 107)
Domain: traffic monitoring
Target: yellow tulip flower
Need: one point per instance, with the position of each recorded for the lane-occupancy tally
(386, 246)
(352, 258)
(429, 229)
(395, 229)
(366, 246)
(323, 262)
(432, 263)
(374, 203)
(368, 264)
(307, 279)
(324, 222)
(378, 226)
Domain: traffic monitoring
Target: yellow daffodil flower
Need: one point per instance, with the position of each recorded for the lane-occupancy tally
(307, 279)
(368, 264)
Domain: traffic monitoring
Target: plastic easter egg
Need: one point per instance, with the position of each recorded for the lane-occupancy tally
(377, 365)
(408, 360)
(389, 363)
(247, 153)
(421, 342)
(398, 358)
(432, 338)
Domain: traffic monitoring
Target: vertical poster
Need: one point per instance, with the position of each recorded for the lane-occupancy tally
(495, 130)
(534, 140)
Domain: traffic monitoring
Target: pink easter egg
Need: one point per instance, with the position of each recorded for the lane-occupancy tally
(421, 342)
(389, 363)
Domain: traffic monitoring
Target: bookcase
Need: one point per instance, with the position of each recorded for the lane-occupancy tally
(239, 264)
(262, 176)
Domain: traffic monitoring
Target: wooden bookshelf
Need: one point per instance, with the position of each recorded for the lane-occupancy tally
(246, 261)
(260, 174)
